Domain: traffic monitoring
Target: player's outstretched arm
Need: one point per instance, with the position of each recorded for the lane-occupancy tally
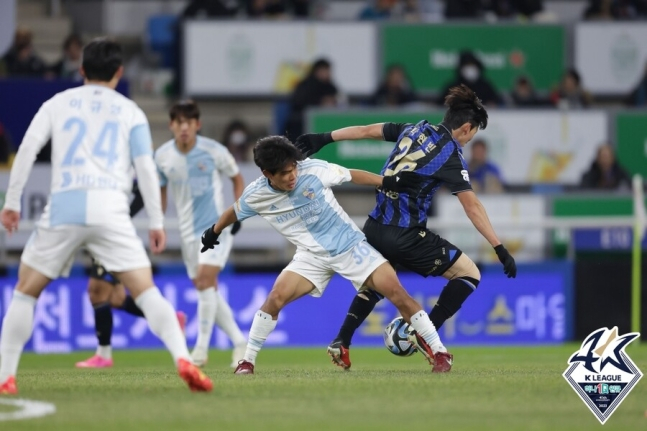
(210, 235)
(239, 186)
(479, 218)
(35, 139)
(364, 178)
(402, 182)
(311, 143)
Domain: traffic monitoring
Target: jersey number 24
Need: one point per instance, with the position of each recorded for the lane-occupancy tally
(105, 147)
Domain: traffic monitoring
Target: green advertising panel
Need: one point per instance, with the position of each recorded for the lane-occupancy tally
(631, 142)
(430, 53)
(366, 154)
(603, 206)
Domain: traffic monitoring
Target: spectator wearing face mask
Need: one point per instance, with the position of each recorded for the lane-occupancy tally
(470, 73)
(236, 139)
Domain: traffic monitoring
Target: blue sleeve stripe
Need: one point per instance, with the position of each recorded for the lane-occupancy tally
(140, 141)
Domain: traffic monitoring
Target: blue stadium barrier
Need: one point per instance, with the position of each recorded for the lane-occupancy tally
(534, 308)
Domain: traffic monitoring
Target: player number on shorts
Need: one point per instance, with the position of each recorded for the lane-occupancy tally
(105, 147)
(360, 252)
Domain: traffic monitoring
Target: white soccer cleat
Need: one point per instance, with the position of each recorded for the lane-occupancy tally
(199, 357)
(237, 354)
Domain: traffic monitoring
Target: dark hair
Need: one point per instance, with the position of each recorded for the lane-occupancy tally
(320, 63)
(523, 80)
(575, 75)
(101, 59)
(479, 142)
(186, 109)
(464, 107)
(273, 153)
(72, 38)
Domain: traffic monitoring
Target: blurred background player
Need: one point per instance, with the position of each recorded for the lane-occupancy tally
(105, 292)
(428, 156)
(97, 136)
(190, 166)
(295, 197)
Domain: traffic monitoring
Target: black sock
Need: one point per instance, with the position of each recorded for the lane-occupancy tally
(451, 299)
(103, 323)
(359, 310)
(129, 306)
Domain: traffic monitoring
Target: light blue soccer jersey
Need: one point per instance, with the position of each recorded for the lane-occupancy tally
(97, 134)
(194, 181)
(308, 216)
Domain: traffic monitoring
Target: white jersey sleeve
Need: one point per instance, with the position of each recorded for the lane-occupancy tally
(36, 137)
(242, 209)
(141, 154)
(225, 162)
(330, 174)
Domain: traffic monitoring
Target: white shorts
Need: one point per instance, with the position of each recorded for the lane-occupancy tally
(50, 250)
(216, 256)
(356, 265)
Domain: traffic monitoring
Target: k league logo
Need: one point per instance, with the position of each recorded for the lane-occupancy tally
(601, 372)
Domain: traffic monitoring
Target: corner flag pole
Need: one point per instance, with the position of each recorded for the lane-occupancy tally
(636, 264)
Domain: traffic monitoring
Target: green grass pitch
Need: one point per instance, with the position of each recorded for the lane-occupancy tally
(492, 388)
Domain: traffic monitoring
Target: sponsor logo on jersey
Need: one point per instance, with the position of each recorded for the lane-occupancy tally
(309, 193)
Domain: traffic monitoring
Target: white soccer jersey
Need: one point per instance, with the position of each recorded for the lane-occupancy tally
(308, 216)
(194, 181)
(97, 134)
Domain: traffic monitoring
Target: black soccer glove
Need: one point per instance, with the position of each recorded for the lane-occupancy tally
(209, 239)
(509, 265)
(311, 143)
(236, 227)
(405, 182)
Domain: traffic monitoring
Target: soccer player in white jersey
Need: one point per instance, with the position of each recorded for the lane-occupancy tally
(97, 135)
(295, 197)
(190, 168)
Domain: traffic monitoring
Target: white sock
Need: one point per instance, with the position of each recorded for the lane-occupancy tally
(262, 326)
(104, 351)
(226, 321)
(423, 326)
(163, 322)
(17, 327)
(207, 308)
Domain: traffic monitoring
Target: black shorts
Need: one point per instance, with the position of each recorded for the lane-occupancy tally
(98, 272)
(417, 249)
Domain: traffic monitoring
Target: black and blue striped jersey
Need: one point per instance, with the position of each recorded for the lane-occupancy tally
(428, 150)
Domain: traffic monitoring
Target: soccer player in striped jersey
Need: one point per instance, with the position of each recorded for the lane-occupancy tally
(191, 168)
(295, 197)
(427, 155)
(97, 136)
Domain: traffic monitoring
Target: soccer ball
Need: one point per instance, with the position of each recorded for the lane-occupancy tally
(395, 338)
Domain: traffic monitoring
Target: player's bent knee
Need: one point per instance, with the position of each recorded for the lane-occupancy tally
(275, 301)
(117, 296)
(464, 267)
(99, 291)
